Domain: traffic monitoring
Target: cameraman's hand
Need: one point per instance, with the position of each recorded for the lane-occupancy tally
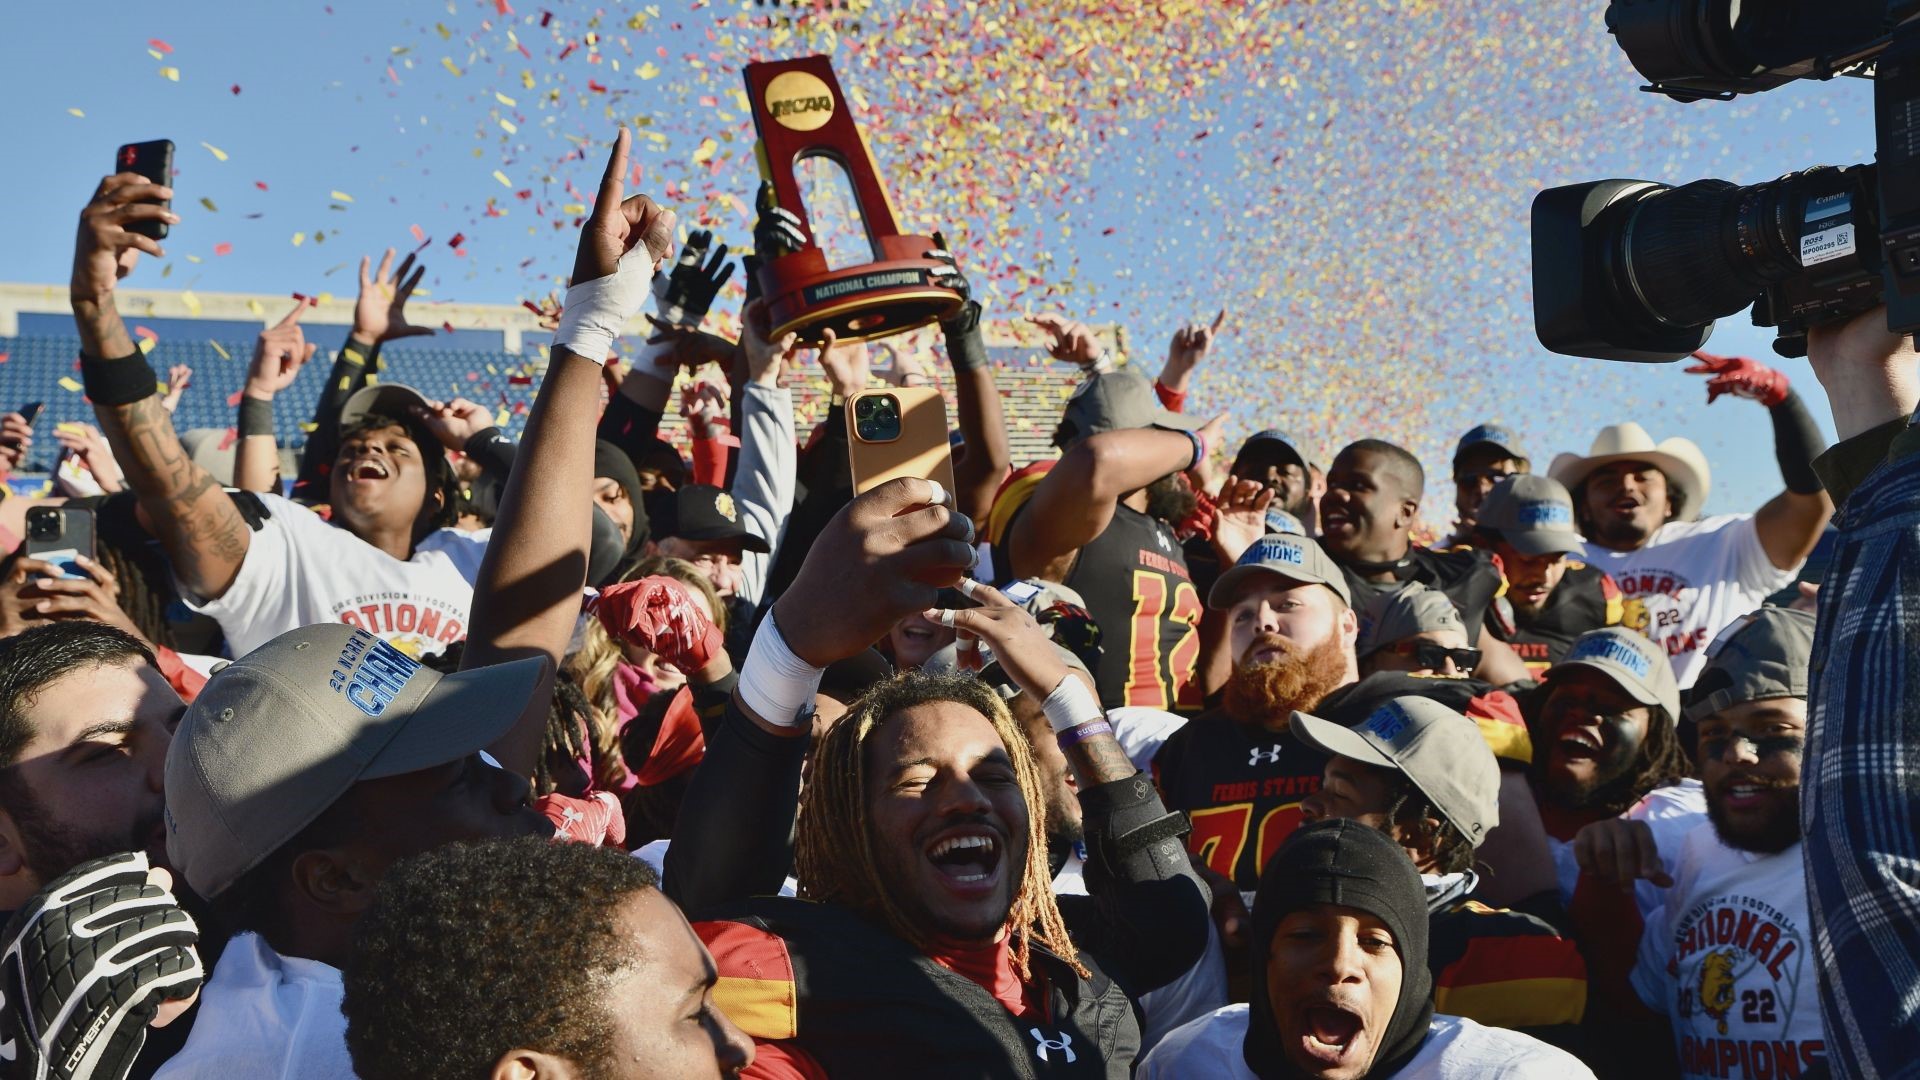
(279, 353)
(886, 554)
(1741, 377)
(95, 958)
(379, 314)
(104, 252)
(1867, 371)
(85, 442)
(34, 592)
(1240, 518)
(455, 421)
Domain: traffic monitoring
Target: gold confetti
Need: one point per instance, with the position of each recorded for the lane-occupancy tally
(218, 154)
(341, 196)
(76, 112)
(502, 177)
(299, 238)
(224, 354)
(447, 62)
(190, 302)
(503, 99)
(171, 74)
(70, 385)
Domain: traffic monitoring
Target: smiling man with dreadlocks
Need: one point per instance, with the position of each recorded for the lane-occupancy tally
(927, 941)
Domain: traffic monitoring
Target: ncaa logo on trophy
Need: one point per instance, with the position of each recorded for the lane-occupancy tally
(799, 113)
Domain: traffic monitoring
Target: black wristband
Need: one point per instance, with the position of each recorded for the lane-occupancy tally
(966, 346)
(118, 382)
(256, 416)
(1796, 442)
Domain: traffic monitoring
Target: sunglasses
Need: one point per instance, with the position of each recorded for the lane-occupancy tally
(1428, 655)
(1714, 748)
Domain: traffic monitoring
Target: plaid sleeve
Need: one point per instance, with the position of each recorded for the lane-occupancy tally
(1860, 803)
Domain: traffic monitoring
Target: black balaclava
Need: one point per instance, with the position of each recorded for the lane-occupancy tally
(1340, 861)
(613, 463)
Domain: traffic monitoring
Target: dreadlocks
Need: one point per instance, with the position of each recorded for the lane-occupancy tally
(834, 852)
(1662, 762)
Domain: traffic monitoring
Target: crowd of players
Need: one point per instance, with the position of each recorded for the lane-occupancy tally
(1112, 764)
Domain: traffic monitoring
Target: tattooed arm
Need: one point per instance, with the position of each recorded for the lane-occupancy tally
(203, 535)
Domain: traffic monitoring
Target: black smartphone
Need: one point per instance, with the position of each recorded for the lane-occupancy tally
(31, 411)
(153, 160)
(58, 534)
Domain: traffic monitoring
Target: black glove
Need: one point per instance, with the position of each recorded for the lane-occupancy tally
(778, 232)
(689, 290)
(948, 275)
(88, 962)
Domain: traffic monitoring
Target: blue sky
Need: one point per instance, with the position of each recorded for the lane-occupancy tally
(318, 114)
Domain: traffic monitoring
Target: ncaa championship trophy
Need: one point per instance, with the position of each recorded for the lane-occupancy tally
(799, 112)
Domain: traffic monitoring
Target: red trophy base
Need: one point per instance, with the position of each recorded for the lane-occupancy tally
(858, 303)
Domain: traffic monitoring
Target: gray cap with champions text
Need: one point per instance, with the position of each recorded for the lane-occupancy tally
(1295, 558)
(1764, 655)
(1636, 664)
(1439, 750)
(276, 737)
(1533, 513)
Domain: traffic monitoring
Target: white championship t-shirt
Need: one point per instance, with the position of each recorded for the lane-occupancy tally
(1691, 580)
(264, 1016)
(299, 570)
(1456, 1049)
(1729, 960)
(1671, 812)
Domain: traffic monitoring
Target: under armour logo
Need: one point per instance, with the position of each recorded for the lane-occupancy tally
(1160, 538)
(1064, 1044)
(1256, 755)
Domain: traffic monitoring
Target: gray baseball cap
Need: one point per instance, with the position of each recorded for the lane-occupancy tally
(1396, 616)
(1295, 558)
(1533, 513)
(1639, 666)
(1439, 750)
(1764, 655)
(276, 737)
(1116, 401)
(386, 399)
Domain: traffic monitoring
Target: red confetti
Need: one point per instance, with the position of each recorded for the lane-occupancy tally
(596, 87)
(447, 326)
(160, 45)
(143, 332)
(223, 248)
(236, 89)
(566, 52)
(546, 17)
(503, 7)
(261, 184)
(419, 235)
(4, 356)
(512, 380)
(234, 398)
(1200, 136)
(230, 435)
(458, 239)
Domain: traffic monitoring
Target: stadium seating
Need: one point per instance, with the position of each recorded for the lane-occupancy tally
(46, 369)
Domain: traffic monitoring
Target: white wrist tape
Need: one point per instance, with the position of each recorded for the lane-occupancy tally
(1071, 704)
(775, 683)
(595, 312)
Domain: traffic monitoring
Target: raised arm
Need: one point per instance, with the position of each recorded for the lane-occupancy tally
(1859, 807)
(764, 481)
(986, 455)
(203, 535)
(527, 596)
(1790, 523)
(278, 355)
(1076, 501)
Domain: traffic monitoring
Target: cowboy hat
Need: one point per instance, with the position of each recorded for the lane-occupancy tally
(1684, 466)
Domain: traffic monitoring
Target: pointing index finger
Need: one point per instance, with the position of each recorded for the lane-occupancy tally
(613, 183)
(292, 317)
(1217, 319)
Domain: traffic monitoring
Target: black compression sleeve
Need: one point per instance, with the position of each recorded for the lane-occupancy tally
(734, 836)
(966, 347)
(493, 451)
(1796, 442)
(629, 425)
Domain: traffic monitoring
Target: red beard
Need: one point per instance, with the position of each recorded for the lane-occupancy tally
(1266, 694)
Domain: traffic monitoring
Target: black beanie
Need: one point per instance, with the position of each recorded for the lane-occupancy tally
(1343, 862)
